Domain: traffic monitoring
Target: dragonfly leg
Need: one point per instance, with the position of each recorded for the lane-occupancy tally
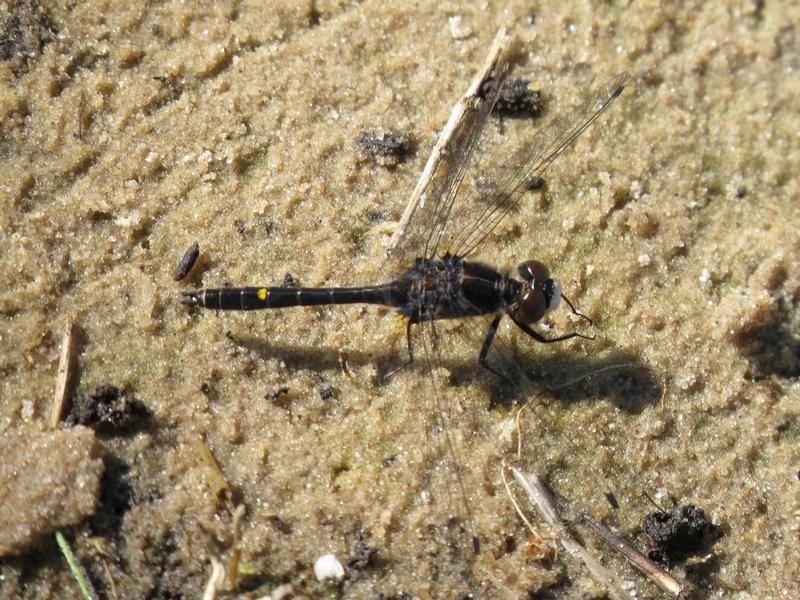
(545, 340)
(575, 312)
(487, 342)
(410, 360)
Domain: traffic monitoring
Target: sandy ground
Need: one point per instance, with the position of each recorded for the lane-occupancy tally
(128, 132)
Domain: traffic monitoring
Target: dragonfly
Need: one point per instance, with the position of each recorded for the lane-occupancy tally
(431, 275)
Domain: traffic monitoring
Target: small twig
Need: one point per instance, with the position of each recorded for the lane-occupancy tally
(236, 553)
(518, 422)
(215, 581)
(540, 496)
(63, 376)
(653, 502)
(110, 579)
(496, 55)
(650, 569)
(511, 497)
(87, 590)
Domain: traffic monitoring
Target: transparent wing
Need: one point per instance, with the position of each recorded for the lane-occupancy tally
(447, 432)
(429, 221)
(446, 351)
(469, 196)
(488, 196)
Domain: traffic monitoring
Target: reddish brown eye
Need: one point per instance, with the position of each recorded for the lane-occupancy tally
(532, 307)
(533, 270)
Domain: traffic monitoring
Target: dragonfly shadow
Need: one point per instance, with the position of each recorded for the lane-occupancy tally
(303, 356)
(387, 362)
(619, 376)
(772, 349)
(567, 378)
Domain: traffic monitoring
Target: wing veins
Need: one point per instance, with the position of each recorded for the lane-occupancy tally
(537, 155)
(448, 191)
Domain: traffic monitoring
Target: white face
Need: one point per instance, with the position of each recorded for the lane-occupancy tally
(555, 299)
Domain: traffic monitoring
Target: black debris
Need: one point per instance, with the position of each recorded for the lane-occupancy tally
(612, 500)
(487, 87)
(387, 149)
(275, 396)
(23, 35)
(741, 191)
(288, 280)
(205, 388)
(314, 15)
(107, 406)
(532, 182)
(680, 532)
(374, 216)
(517, 99)
(363, 554)
(323, 387)
(278, 524)
(187, 262)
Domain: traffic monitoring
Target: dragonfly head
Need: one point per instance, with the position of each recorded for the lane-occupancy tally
(540, 294)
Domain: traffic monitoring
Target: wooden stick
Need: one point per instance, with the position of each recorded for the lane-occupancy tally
(236, 553)
(63, 376)
(497, 55)
(540, 496)
(650, 569)
(215, 580)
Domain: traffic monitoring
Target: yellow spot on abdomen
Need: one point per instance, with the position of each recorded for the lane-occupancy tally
(263, 293)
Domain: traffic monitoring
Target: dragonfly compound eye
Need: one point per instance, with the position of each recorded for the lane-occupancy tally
(538, 298)
(532, 307)
(533, 270)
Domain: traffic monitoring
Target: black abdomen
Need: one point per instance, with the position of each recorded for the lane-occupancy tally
(254, 298)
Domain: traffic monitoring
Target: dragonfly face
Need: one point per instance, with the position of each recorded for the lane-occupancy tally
(539, 293)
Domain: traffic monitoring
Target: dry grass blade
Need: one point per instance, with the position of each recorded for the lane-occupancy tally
(236, 552)
(63, 377)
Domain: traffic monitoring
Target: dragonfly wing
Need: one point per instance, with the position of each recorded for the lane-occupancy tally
(430, 219)
(489, 193)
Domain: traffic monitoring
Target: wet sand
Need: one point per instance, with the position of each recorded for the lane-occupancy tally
(128, 134)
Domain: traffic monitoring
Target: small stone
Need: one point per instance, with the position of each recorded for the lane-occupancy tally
(328, 567)
(458, 30)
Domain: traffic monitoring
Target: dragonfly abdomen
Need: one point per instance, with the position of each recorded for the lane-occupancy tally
(255, 298)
